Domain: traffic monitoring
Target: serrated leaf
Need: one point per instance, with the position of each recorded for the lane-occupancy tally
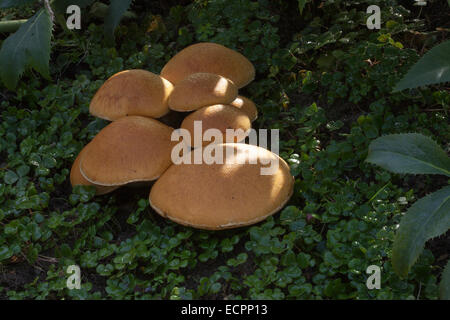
(409, 153)
(427, 218)
(115, 12)
(27, 47)
(444, 285)
(61, 5)
(432, 68)
(14, 3)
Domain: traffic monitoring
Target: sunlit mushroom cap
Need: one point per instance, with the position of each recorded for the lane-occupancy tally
(128, 150)
(220, 117)
(201, 89)
(76, 178)
(223, 196)
(212, 58)
(247, 106)
(132, 92)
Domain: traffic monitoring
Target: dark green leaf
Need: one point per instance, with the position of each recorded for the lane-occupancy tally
(10, 177)
(14, 3)
(23, 170)
(115, 12)
(28, 47)
(427, 218)
(5, 253)
(432, 68)
(409, 153)
(301, 5)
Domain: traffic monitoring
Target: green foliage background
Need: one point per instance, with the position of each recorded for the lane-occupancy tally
(323, 79)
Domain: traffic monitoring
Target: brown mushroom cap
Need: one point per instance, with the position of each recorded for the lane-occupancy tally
(212, 58)
(220, 117)
(201, 89)
(223, 196)
(132, 92)
(247, 106)
(128, 150)
(76, 178)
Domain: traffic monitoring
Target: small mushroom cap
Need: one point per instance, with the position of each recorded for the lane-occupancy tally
(202, 89)
(76, 178)
(132, 92)
(247, 106)
(212, 58)
(223, 196)
(220, 117)
(128, 150)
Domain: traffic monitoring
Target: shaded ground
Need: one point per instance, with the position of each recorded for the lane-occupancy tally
(16, 274)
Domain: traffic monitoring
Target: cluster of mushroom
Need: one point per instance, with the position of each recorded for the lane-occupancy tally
(204, 79)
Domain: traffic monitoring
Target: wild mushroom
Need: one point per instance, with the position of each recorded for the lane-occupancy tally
(128, 150)
(247, 106)
(201, 89)
(212, 58)
(223, 196)
(76, 178)
(220, 117)
(132, 92)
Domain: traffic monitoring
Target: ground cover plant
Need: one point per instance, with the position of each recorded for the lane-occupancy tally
(426, 218)
(322, 77)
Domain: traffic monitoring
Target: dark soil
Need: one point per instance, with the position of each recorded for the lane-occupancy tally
(440, 248)
(436, 14)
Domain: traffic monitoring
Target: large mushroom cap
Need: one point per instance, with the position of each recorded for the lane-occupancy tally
(201, 89)
(212, 58)
(128, 150)
(247, 106)
(222, 196)
(220, 117)
(132, 92)
(76, 178)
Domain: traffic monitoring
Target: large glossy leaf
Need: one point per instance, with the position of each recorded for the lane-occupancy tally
(14, 3)
(444, 286)
(27, 47)
(427, 218)
(409, 153)
(115, 12)
(432, 68)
